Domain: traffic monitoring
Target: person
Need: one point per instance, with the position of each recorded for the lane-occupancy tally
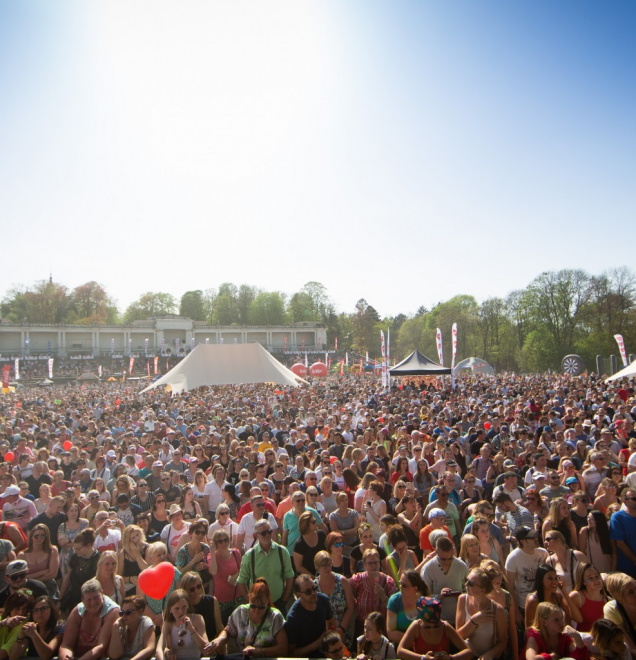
(133, 635)
(488, 545)
(196, 555)
(224, 521)
(82, 567)
(89, 625)
(621, 610)
(311, 541)
(257, 627)
(269, 560)
(430, 637)
(183, 631)
(374, 507)
(549, 636)
(16, 508)
(41, 637)
(172, 532)
(445, 577)
(291, 533)
(548, 588)
(502, 597)
(470, 551)
(66, 532)
(559, 520)
(108, 531)
(563, 558)
(521, 568)
(228, 563)
(131, 558)
(204, 604)
(14, 617)
(246, 538)
(53, 516)
(333, 647)
(339, 592)
(401, 558)
(16, 577)
(106, 574)
(481, 622)
(365, 536)
(623, 533)
(402, 606)
(588, 596)
(334, 545)
(309, 618)
(344, 520)
(609, 641)
(371, 588)
(436, 520)
(155, 555)
(159, 514)
(373, 644)
(595, 542)
(13, 532)
(42, 558)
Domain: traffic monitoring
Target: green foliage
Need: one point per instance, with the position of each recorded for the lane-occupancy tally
(267, 309)
(150, 304)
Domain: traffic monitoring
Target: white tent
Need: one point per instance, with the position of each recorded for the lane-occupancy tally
(226, 364)
(628, 372)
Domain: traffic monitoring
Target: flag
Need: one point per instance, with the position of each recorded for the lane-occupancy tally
(146, 346)
(454, 330)
(360, 365)
(336, 344)
(112, 345)
(306, 362)
(192, 344)
(302, 344)
(163, 345)
(177, 341)
(440, 350)
(129, 346)
(347, 358)
(342, 368)
(367, 359)
(285, 344)
(6, 376)
(167, 364)
(48, 348)
(383, 347)
(621, 348)
(388, 357)
(99, 370)
(50, 367)
(17, 368)
(326, 357)
(148, 365)
(131, 365)
(156, 364)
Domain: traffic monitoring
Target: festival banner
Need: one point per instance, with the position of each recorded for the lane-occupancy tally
(342, 368)
(156, 364)
(326, 358)
(302, 344)
(454, 330)
(112, 345)
(306, 361)
(17, 368)
(336, 344)
(328, 363)
(361, 365)
(6, 376)
(146, 346)
(285, 344)
(99, 370)
(192, 344)
(148, 365)
(131, 365)
(347, 358)
(48, 348)
(50, 367)
(129, 346)
(440, 350)
(177, 342)
(163, 345)
(383, 351)
(367, 357)
(621, 348)
(388, 357)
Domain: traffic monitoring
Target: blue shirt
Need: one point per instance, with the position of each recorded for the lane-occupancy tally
(623, 528)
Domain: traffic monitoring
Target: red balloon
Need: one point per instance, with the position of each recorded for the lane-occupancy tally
(299, 369)
(486, 425)
(318, 369)
(9, 456)
(156, 581)
(67, 445)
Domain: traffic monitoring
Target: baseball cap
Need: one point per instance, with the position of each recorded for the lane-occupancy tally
(437, 513)
(523, 533)
(11, 490)
(571, 480)
(16, 566)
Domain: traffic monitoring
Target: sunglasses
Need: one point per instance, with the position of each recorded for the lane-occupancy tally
(224, 513)
(18, 576)
(471, 583)
(200, 532)
(223, 541)
(123, 612)
(254, 606)
(267, 532)
(339, 544)
(195, 587)
(310, 591)
(160, 501)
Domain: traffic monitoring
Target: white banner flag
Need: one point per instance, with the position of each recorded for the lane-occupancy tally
(347, 359)
(388, 357)
(440, 350)
(454, 345)
(192, 344)
(17, 368)
(383, 346)
(306, 361)
(146, 346)
(621, 348)
(50, 367)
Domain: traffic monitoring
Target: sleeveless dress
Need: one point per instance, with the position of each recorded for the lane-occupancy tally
(188, 649)
(484, 636)
(591, 611)
(338, 602)
(68, 550)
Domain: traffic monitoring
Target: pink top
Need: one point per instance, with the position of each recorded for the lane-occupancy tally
(224, 591)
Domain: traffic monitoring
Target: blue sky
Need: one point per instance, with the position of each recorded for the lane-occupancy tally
(401, 152)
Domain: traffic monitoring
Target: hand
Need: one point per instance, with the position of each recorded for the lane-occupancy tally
(249, 650)
(14, 621)
(212, 648)
(188, 624)
(379, 592)
(483, 617)
(446, 591)
(198, 557)
(29, 628)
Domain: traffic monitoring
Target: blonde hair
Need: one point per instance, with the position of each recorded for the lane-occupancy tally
(173, 599)
(544, 611)
(107, 554)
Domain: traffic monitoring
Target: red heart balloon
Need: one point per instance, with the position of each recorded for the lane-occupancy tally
(156, 581)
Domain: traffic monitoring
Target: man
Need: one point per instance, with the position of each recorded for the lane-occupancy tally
(16, 577)
(510, 487)
(521, 567)
(154, 478)
(52, 517)
(445, 577)
(37, 478)
(108, 532)
(125, 511)
(214, 490)
(447, 483)
(308, 620)
(144, 499)
(516, 515)
(175, 463)
(593, 476)
(540, 467)
(268, 560)
(171, 492)
(16, 508)
(247, 507)
(452, 514)
(245, 538)
(484, 509)
(554, 488)
(623, 533)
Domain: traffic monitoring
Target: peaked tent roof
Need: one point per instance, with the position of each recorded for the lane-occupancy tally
(474, 364)
(226, 364)
(627, 372)
(417, 364)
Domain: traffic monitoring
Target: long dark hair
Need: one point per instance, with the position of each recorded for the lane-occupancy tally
(602, 531)
(542, 571)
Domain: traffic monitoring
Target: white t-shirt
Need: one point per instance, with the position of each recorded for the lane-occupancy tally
(21, 512)
(525, 567)
(246, 526)
(109, 542)
(170, 536)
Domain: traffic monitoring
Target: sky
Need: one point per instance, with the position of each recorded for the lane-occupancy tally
(402, 152)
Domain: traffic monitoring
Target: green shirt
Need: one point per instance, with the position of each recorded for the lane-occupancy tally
(267, 565)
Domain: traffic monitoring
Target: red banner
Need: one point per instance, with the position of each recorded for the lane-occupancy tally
(132, 364)
(156, 365)
(148, 365)
(6, 374)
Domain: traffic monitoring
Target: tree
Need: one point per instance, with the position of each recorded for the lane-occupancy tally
(150, 304)
(300, 307)
(193, 305)
(244, 299)
(91, 304)
(267, 309)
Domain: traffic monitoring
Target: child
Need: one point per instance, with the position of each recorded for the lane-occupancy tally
(609, 641)
(374, 645)
(333, 646)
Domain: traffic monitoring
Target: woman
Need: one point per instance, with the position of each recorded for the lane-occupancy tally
(228, 566)
(45, 497)
(374, 508)
(550, 637)
(258, 627)
(470, 551)
(204, 604)
(502, 597)
(549, 589)
(15, 614)
(133, 635)
(132, 556)
(344, 520)
(43, 558)
(334, 545)
(327, 494)
(594, 539)
(588, 596)
(423, 480)
(183, 631)
(338, 474)
(559, 519)
(100, 471)
(313, 502)
(411, 519)
(159, 514)
(340, 595)
(606, 495)
(494, 471)
(104, 494)
(401, 558)
(195, 555)
(224, 522)
(402, 606)
(488, 545)
(41, 637)
(112, 584)
(480, 621)
(123, 486)
(374, 645)
(564, 560)
(365, 536)
(622, 609)
(82, 567)
(66, 532)
(429, 637)
(402, 470)
(90, 624)
(396, 504)
(231, 500)
(93, 507)
(361, 493)
(277, 477)
(357, 456)
(311, 541)
(609, 641)
(155, 554)
(191, 508)
(198, 489)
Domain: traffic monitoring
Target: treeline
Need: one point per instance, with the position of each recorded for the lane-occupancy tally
(559, 312)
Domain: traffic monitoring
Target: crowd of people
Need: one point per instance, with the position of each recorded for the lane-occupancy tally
(493, 520)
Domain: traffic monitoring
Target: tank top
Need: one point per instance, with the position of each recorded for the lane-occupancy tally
(188, 648)
(131, 568)
(591, 611)
(423, 648)
(483, 638)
